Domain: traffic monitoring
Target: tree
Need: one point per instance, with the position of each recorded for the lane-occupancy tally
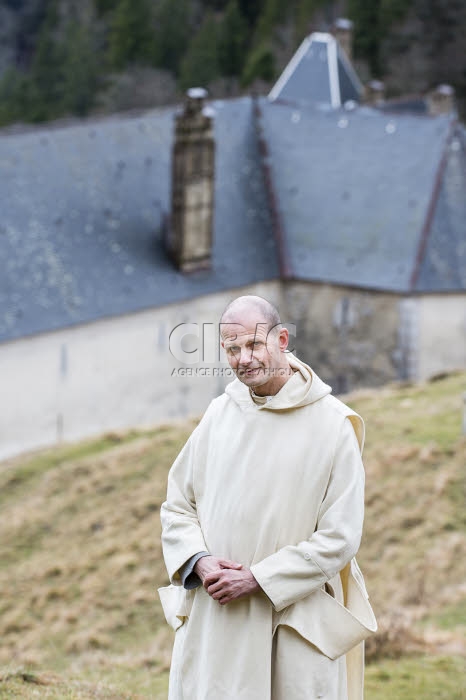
(12, 97)
(200, 64)
(272, 12)
(232, 41)
(131, 33)
(373, 20)
(304, 11)
(260, 64)
(80, 76)
(251, 9)
(44, 85)
(215, 4)
(104, 6)
(172, 33)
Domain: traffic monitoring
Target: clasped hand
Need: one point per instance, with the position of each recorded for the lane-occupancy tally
(225, 580)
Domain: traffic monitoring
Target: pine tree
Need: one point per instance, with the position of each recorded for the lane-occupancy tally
(232, 41)
(366, 15)
(103, 6)
(12, 97)
(131, 33)
(260, 64)
(251, 9)
(172, 33)
(272, 12)
(200, 64)
(80, 69)
(304, 11)
(44, 86)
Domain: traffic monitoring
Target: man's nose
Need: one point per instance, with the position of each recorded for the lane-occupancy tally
(245, 356)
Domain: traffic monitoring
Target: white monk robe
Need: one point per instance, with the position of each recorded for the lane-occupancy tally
(278, 487)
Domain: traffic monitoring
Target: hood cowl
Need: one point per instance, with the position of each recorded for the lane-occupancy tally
(303, 388)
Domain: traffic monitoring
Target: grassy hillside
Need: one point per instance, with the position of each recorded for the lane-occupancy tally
(80, 556)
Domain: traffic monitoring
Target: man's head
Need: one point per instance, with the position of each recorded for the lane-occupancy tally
(255, 342)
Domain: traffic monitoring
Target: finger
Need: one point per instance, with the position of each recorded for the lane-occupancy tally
(211, 577)
(218, 595)
(215, 587)
(229, 564)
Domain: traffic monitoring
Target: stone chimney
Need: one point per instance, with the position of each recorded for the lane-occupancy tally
(441, 100)
(189, 237)
(374, 92)
(343, 33)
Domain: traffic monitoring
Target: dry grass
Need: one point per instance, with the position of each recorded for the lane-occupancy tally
(414, 546)
(80, 555)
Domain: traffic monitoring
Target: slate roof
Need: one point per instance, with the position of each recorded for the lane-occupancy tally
(353, 190)
(442, 264)
(348, 195)
(82, 211)
(318, 73)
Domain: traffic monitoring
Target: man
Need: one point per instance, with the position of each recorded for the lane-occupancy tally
(265, 508)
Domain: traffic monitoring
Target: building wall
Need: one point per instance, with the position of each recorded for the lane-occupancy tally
(120, 372)
(111, 374)
(441, 333)
(352, 338)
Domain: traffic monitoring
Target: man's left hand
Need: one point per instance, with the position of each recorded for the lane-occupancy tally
(226, 585)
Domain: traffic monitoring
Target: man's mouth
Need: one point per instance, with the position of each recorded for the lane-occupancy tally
(251, 372)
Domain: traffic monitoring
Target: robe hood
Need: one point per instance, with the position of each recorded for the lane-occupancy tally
(303, 388)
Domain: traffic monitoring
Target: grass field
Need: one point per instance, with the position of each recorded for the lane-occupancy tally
(80, 556)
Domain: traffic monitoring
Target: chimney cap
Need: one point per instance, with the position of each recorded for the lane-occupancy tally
(444, 89)
(376, 85)
(194, 102)
(196, 93)
(344, 24)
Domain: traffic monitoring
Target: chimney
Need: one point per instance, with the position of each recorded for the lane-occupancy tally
(190, 235)
(374, 92)
(441, 100)
(343, 33)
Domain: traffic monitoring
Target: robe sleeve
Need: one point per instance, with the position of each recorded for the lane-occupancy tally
(182, 536)
(296, 570)
(188, 576)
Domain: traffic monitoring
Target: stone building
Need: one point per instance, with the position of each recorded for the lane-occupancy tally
(346, 210)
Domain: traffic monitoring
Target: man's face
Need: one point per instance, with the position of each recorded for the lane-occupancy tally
(254, 353)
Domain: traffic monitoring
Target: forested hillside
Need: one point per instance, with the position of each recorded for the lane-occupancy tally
(75, 57)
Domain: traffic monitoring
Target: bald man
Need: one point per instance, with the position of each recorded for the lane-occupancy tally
(262, 521)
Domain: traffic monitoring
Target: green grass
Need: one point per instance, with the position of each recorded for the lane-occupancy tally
(118, 684)
(24, 473)
(417, 678)
(423, 678)
(449, 617)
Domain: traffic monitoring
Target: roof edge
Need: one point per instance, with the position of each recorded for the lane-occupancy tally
(289, 69)
(427, 225)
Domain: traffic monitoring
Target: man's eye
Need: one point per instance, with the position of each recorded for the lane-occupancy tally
(257, 342)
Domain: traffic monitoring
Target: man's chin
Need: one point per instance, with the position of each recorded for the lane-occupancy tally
(252, 378)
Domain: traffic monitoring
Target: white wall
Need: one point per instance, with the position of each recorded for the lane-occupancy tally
(110, 374)
(117, 373)
(441, 333)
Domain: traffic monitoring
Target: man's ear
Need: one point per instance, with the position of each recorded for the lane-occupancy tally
(283, 339)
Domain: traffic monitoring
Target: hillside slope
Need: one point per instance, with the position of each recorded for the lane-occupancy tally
(60, 58)
(80, 554)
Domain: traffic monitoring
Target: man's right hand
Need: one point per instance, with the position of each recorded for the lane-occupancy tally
(208, 564)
